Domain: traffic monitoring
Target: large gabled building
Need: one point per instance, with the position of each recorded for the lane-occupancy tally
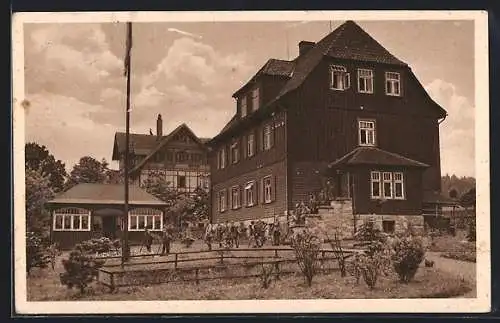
(344, 114)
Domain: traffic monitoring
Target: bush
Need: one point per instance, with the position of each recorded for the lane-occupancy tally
(370, 264)
(98, 246)
(266, 275)
(408, 253)
(471, 232)
(82, 267)
(36, 252)
(307, 249)
(368, 232)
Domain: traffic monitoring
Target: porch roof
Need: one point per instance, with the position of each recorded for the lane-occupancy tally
(105, 194)
(374, 156)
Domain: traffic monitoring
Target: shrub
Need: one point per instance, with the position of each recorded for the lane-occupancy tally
(98, 246)
(82, 267)
(370, 264)
(471, 232)
(338, 252)
(36, 252)
(368, 232)
(266, 275)
(408, 253)
(307, 249)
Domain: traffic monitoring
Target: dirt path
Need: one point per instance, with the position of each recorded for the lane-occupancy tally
(463, 269)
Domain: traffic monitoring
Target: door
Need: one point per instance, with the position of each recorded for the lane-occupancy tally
(109, 226)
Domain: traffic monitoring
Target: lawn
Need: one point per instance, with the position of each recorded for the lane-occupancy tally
(455, 247)
(44, 285)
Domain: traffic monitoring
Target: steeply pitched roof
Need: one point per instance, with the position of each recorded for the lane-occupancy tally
(375, 156)
(113, 194)
(164, 141)
(139, 142)
(348, 41)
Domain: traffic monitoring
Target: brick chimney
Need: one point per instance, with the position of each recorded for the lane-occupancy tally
(305, 46)
(159, 127)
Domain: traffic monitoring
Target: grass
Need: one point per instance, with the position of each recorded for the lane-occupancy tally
(469, 256)
(449, 243)
(44, 285)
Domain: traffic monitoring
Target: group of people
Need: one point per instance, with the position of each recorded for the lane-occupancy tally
(229, 234)
(166, 238)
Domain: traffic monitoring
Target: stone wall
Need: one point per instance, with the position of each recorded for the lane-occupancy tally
(339, 219)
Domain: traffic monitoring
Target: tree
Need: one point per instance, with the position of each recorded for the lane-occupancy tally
(157, 185)
(453, 193)
(468, 200)
(198, 206)
(39, 158)
(88, 170)
(38, 192)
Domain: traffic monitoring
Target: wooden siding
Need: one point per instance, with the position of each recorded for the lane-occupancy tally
(305, 178)
(363, 204)
(261, 158)
(261, 210)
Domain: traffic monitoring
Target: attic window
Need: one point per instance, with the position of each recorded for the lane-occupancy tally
(243, 106)
(392, 83)
(339, 78)
(255, 99)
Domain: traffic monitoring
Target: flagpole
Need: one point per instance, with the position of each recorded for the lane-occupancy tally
(125, 241)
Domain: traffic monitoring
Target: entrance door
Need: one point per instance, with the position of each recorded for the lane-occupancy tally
(109, 226)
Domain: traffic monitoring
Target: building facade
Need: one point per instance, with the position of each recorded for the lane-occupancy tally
(181, 157)
(344, 116)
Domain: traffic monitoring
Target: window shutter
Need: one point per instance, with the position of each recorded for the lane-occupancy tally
(273, 135)
(261, 191)
(244, 147)
(347, 83)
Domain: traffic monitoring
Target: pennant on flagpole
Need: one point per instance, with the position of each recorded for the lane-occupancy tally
(128, 49)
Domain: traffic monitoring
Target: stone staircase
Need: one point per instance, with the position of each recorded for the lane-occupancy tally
(337, 218)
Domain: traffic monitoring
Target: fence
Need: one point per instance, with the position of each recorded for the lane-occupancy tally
(218, 264)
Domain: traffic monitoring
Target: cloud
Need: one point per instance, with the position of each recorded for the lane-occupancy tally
(65, 126)
(69, 60)
(457, 131)
(184, 33)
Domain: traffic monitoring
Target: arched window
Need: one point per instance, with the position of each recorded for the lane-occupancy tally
(142, 218)
(71, 219)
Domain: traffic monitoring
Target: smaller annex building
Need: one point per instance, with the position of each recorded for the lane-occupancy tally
(88, 211)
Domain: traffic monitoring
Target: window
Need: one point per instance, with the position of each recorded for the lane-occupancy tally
(71, 219)
(339, 78)
(392, 84)
(387, 185)
(250, 145)
(267, 137)
(142, 218)
(243, 106)
(250, 193)
(235, 197)
(221, 159)
(388, 226)
(235, 152)
(169, 156)
(181, 181)
(222, 201)
(182, 156)
(255, 99)
(366, 133)
(398, 186)
(268, 189)
(375, 185)
(365, 81)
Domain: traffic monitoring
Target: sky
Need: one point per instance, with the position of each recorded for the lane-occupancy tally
(188, 72)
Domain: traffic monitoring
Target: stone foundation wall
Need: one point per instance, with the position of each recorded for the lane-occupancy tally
(339, 219)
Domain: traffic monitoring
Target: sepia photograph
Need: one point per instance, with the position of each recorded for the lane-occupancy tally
(251, 162)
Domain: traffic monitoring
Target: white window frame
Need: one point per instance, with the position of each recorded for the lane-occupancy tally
(375, 178)
(222, 201)
(250, 189)
(243, 106)
(368, 126)
(387, 180)
(70, 214)
(398, 178)
(267, 142)
(268, 189)
(365, 77)
(394, 79)
(344, 78)
(235, 149)
(222, 158)
(250, 145)
(146, 214)
(235, 202)
(256, 99)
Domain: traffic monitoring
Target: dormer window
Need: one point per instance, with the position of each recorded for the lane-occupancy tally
(235, 152)
(392, 83)
(339, 78)
(243, 106)
(366, 133)
(255, 99)
(365, 81)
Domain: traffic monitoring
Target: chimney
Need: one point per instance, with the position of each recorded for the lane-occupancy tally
(159, 127)
(305, 46)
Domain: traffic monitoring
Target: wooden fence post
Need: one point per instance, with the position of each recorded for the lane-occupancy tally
(276, 253)
(175, 263)
(197, 276)
(112, 282)
(277, 268)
